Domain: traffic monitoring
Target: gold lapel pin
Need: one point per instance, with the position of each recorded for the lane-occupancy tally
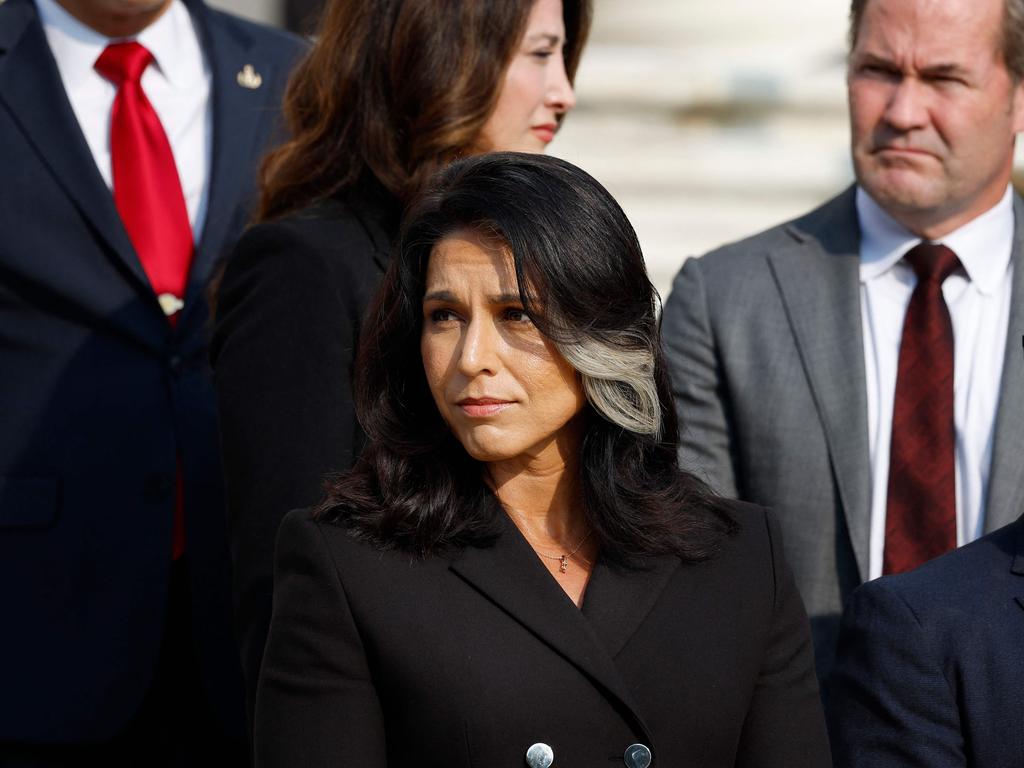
(250, 78)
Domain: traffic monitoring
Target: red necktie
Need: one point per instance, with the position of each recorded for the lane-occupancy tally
(147, 193)
(920, 520)
(147, 190)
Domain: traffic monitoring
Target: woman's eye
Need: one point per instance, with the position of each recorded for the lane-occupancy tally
(517, 316)
(542, 54)
(441, 315)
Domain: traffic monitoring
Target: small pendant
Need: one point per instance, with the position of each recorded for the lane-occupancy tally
(564, 564)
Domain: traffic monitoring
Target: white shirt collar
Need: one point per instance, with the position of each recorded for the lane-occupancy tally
(983, 245)
(76, 46)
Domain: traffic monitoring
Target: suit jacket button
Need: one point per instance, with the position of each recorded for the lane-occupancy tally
(637, 756)
(540, 756)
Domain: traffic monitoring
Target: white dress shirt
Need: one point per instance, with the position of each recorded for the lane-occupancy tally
(177, 85)
(979, 307)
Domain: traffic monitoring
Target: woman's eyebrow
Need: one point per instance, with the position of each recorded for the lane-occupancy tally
(545, 37)
(441, 295)
(505, 298)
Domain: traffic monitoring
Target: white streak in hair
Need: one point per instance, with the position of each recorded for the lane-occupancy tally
(618, 378)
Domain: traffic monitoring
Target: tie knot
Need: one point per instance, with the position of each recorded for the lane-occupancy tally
(123, 62)
(932, 262)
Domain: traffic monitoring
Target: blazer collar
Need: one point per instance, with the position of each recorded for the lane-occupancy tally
(510, 574)
(818, 282)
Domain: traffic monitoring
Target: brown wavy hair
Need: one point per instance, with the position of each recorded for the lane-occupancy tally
(394, 89)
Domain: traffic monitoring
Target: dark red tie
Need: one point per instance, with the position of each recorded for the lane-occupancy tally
(147, 193)
(920, 517)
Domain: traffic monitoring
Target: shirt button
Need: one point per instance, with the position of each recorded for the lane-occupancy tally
(637, 756)
(540, 756)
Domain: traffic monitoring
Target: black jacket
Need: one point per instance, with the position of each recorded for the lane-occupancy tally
(289, 311)
(378, 659)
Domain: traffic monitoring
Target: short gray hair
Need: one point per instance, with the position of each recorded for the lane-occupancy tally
(1011, 43)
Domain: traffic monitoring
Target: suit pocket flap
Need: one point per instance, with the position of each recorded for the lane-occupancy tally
(28, 501)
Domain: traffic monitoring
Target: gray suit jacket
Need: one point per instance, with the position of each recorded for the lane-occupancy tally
(763, 339)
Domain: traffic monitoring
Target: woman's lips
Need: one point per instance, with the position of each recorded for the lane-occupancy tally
(478, 407)
(546, 132)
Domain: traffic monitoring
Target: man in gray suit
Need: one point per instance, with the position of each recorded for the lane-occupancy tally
(827, 368)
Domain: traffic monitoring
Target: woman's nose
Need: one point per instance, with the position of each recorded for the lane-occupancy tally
(479, 353)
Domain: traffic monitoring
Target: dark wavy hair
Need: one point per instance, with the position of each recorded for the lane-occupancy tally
(394, 89)
(583, 282)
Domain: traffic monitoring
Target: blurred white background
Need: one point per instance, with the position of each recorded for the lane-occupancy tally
(707, 119)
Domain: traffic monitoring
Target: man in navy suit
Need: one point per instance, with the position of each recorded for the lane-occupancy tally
(930, 669)
(114, 570)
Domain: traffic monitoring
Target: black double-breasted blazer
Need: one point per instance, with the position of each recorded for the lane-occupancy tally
(375, 658)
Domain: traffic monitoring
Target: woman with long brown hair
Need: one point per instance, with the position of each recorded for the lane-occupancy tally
(391, 91)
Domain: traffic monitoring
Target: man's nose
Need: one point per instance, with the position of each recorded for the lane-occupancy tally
(907, 107)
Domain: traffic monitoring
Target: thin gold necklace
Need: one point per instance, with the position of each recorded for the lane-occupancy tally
(563, 560)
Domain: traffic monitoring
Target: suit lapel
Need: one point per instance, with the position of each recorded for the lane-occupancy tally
(513, 578)
(617, 601)
(818, 281)
(1006, 488)
(236, 111)
(31, 87)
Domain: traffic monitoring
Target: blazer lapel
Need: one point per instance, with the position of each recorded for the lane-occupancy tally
(31, 87)
(818, 281)
(510, 574)
(1006, 487)
(241, 91)
(618, 600)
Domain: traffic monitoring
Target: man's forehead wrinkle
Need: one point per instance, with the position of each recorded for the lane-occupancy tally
(925, 34)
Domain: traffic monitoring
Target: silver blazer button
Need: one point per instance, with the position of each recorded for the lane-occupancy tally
(637, 756)
(540, 756)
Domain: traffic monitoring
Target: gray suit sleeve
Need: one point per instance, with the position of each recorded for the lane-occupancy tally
(698, 386)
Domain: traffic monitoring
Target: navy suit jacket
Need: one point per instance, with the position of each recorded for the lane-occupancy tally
(930, 670)
(99, 397)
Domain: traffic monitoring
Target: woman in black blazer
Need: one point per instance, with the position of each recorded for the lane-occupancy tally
(516, 572)
(391, 90)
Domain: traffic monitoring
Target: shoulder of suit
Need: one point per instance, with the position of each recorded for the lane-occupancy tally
(967, 582)
(811, 226)
(267, 39)
(15, 17)
(329, 231)
(756, 533)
